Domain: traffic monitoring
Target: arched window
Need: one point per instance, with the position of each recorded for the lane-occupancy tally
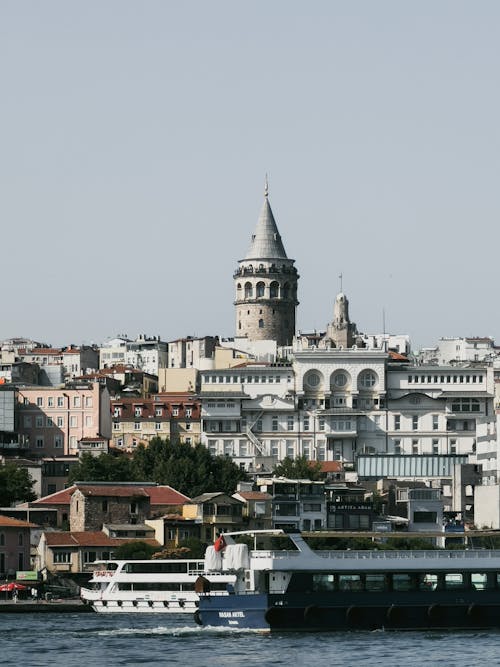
(367, 380)
(20, 539)
(313, 380)
(260, 289)
(339, 380)
(248, 290)
(274, 290)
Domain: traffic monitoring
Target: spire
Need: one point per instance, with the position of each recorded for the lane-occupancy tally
(266, 241)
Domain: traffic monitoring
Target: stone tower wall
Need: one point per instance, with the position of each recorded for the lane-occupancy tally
(266, 302)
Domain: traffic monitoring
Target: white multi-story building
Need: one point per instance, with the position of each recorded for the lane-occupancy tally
(337, 404)
(147, 354)
(452, 350)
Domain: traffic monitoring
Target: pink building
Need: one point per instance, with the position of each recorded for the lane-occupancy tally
(57, 419)
(14, 546)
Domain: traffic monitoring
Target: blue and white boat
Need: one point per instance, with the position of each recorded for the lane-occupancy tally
(306, 590)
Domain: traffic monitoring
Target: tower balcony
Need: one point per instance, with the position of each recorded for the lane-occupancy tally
(272, 270)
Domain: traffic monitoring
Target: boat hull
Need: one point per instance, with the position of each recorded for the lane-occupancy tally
(266, 612)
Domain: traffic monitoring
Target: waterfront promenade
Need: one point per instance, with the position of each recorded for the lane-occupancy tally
(44, 607)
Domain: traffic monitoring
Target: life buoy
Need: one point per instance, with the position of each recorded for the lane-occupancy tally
(392, 613)
(311, 613)
(273, 615)
(435, 612)
(352, 615)
(474, 612)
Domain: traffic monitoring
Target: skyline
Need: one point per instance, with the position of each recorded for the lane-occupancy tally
(136, 140)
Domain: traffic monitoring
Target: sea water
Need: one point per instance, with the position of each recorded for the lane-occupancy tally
(91, 640)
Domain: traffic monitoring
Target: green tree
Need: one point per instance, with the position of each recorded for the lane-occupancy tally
(299, 468)
(102, 468)
(192, 470)
(136, 550)
(196, 547)
(16, 485)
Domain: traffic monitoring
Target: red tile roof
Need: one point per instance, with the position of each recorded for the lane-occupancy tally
(58, 498)
(7, 522)
(90, 539)
(254, 495)
(166, 495)
(159, 495)
(395, 356)
(331, 466)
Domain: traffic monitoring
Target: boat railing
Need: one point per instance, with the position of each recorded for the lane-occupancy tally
(384, 554)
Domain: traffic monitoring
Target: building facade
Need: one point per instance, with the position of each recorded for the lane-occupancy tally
(55, 419)
(172, 416)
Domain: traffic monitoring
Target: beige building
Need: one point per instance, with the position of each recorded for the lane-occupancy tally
(136, 421)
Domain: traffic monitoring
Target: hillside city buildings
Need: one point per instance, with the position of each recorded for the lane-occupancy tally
(375, 414)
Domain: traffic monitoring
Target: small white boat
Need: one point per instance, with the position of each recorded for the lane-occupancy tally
(154, 586)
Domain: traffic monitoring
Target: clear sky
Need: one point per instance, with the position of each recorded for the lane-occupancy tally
(135, 138)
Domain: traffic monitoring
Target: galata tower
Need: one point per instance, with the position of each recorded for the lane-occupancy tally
(266, 285)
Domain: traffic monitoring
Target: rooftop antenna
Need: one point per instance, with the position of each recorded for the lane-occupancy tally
(383, 330)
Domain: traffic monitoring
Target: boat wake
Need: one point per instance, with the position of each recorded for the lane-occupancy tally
(181, 631)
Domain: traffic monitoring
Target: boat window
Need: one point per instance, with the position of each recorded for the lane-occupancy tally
(375, 582)
(112, 566)
(154, 567)
(153, 586)
(404, 582)
(454, 580)
(323, 582)
(350, 582)
(427, 582)
(479, 581)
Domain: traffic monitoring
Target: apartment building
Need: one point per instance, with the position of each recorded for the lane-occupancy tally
(136, 420)
(56, 419)
(146, 353)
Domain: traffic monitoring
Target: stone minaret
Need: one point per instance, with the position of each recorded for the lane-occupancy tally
(266, 285)
(341, 332)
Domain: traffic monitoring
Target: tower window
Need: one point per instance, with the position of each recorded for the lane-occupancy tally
(261, 323)
(260, 289)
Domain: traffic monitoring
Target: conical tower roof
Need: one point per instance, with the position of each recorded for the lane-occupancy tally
(266, 242)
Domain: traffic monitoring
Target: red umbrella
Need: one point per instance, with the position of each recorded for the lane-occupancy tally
(12, 586)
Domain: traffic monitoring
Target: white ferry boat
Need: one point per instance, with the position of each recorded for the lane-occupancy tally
(159, 586)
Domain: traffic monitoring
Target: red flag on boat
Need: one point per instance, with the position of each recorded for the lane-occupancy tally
(219, 543)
